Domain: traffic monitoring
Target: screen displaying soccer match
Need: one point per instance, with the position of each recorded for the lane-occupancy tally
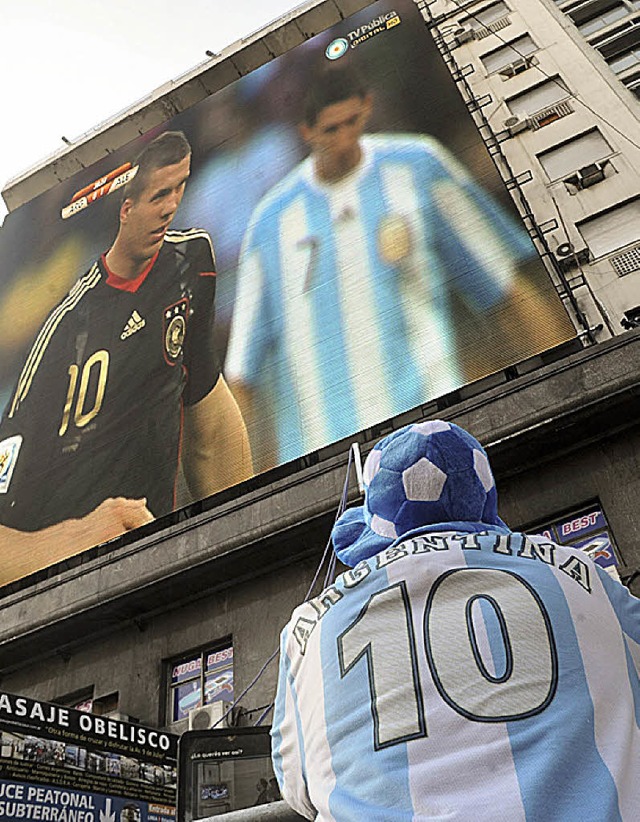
(318, 247)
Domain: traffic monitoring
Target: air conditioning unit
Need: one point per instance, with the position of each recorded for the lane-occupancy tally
(590, 174)
(209, 716)
(463, 34)
(568, 256)
(517, 67)
(631, 318)
(515, 124)
(565, 249)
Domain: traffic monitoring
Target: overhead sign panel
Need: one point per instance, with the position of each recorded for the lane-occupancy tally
(59, 763)
(368, 258)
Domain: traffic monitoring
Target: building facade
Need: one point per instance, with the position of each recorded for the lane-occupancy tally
(565, 117)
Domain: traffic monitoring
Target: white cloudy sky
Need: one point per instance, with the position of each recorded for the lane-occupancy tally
(66, 65)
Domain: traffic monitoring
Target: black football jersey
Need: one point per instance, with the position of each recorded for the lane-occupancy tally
(97, 409)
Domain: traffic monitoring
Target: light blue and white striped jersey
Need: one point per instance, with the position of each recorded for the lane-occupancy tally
(343, 314)
(463, 676)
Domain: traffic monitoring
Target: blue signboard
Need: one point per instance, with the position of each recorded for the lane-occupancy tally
(24, 800)
(190, 689)
(587, 530)
(599, 549)
(578, 526)
(60, 764)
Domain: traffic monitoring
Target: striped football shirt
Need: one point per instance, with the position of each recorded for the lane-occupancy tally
(344, 312)
(463, 676)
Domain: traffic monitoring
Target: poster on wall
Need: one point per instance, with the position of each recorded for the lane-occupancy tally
(320, 246)
(589, 531)
(201, 679)
(61, 764)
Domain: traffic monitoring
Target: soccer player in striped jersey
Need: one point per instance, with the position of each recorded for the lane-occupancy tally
(458, 670)
(349, 270)
(122, 383)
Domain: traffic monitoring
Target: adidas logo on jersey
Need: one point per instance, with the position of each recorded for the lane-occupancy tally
(134, 323)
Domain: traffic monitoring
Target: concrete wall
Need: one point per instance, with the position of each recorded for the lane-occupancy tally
(598, 99)
(129, 657)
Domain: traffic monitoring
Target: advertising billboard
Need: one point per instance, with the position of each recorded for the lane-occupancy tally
(368, 259)
(588, 530)
(200, 679)
(59, 763)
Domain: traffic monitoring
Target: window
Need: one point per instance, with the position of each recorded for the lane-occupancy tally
(562, 160)
(81, 700)
(621, 62)
(587, 529)
(633, 85)
(538, 98)
(199, 678)
(489, 19)
(612, 230)
(489, 14)
(505, 55)
(543, 104)
(602, 20)
(581, 13)
(86, 701)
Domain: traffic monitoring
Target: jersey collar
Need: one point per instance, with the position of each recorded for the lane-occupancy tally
(127, 285)
(346, 182)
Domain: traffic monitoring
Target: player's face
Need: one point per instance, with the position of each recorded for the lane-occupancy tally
(334, 138)
(144, 220)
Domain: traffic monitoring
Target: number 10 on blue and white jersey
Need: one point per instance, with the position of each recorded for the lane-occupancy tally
(462, 677)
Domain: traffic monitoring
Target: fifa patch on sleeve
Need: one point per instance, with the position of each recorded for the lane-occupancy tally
(9, 450)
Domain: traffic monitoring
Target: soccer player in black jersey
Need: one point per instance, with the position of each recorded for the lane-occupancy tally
(122, 384)
(23, 552)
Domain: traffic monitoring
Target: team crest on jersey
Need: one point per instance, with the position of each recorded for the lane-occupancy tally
(394, 239)
(9, 450)
(175, 327)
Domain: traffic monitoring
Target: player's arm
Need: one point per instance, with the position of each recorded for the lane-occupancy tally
(216, 451)
(215, 447)
(24, 552)
(260, 426)
(480, 237)
(529, 313)
(250, 339)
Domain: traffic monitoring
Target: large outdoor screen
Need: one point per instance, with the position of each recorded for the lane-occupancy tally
(320, 246)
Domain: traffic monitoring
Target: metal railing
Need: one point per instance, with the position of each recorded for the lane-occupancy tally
(273, 812)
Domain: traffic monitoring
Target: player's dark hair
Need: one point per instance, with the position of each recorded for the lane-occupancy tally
(331, 86)
(166, 150)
